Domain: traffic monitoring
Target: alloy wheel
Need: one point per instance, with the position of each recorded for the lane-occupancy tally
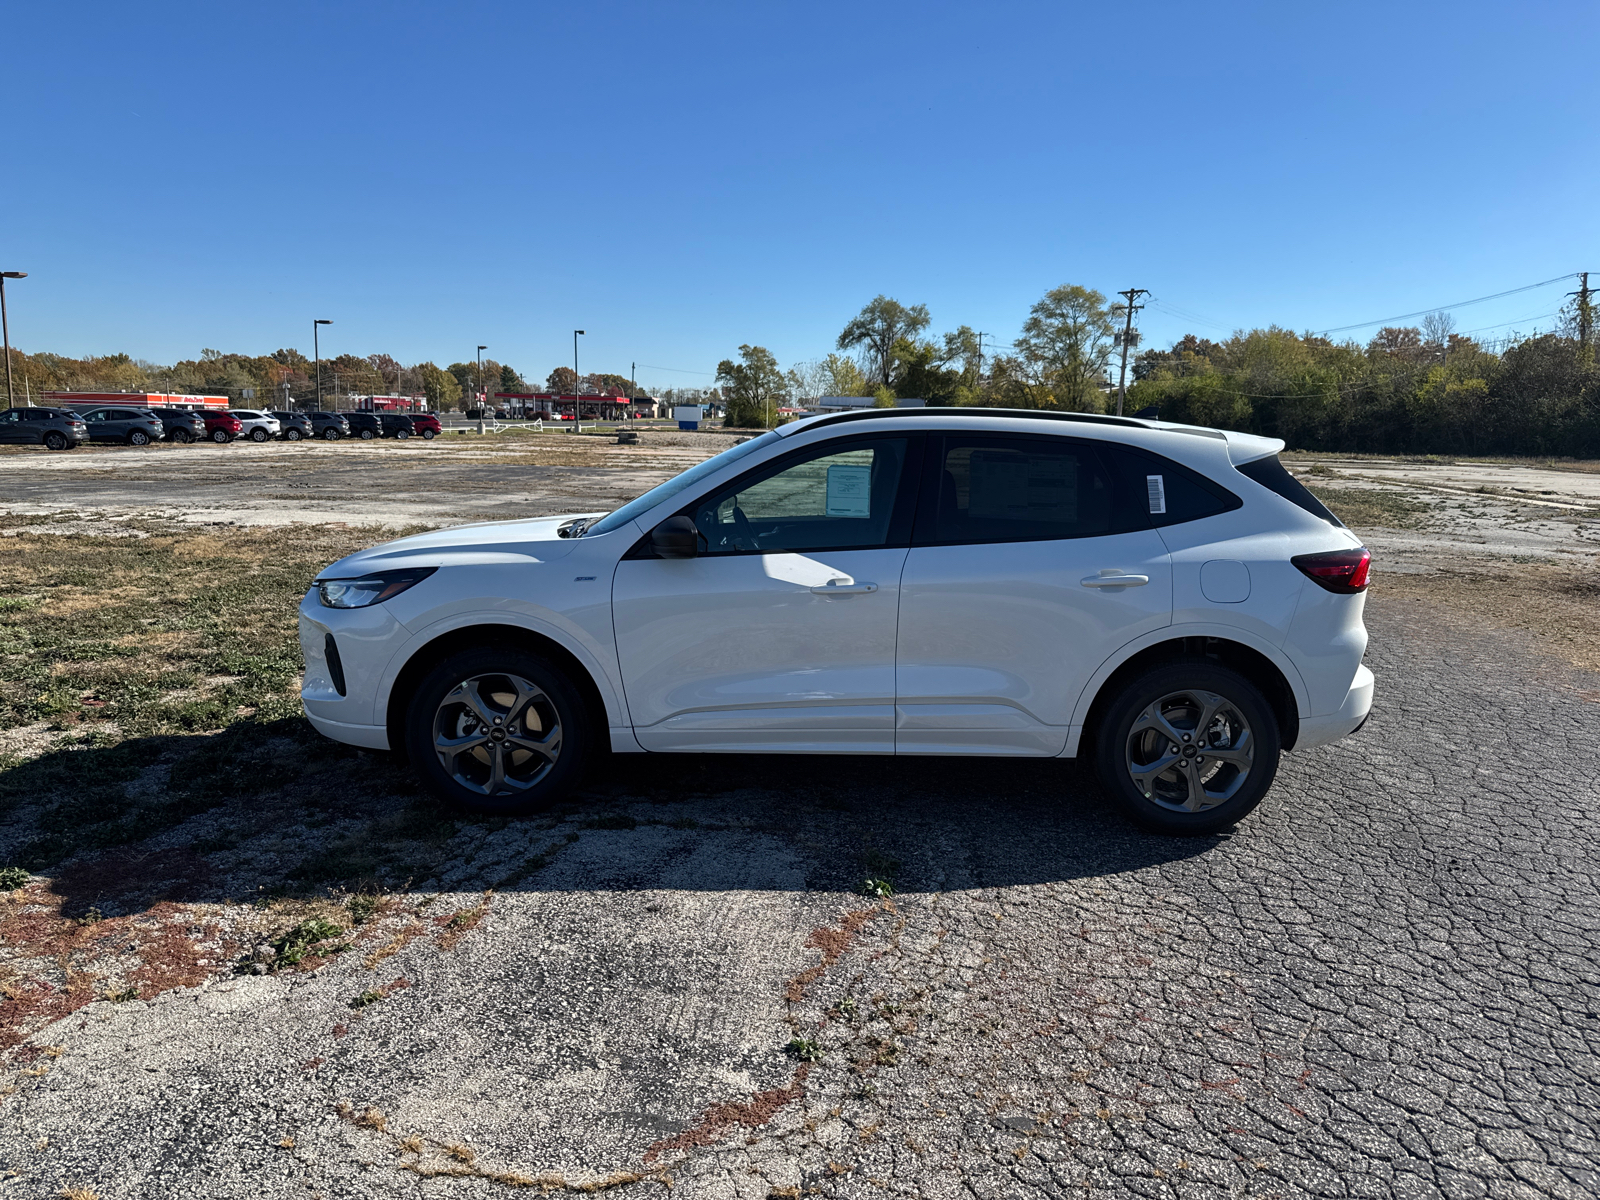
(1190, 751)
(54, 441)
(496, 734)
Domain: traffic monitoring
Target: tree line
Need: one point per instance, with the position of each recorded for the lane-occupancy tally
(1409, 390)
(261, 379)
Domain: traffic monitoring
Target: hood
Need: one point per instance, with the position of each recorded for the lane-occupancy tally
(528, 541)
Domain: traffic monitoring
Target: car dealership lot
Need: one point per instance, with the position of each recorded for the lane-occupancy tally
(1381, 983)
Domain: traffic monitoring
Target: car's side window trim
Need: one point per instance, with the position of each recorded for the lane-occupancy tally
(933, 470)
(901, 518)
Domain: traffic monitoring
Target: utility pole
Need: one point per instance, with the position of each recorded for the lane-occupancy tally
(5, 323)
(1127, 336)
(316, 348)
(1585, 316)
(979, 380)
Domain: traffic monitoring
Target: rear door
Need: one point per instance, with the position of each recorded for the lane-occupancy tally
(780, 636)
(1010, 598)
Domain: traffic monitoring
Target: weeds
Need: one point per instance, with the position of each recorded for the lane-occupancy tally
(804, 1050)
(293, 946)
(12, 878)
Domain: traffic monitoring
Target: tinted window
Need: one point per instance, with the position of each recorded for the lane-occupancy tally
(122, 414)
(1274, 476)
(1007, 489)
(836, 497)
(1169, 494)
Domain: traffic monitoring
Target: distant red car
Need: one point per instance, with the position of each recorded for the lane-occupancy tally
(222, 427)
(427, 425)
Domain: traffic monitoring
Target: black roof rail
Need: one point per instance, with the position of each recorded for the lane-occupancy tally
(1028, 414)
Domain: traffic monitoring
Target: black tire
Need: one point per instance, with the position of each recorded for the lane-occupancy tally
(330, 434)
(55, 441)
(402, 434)
(367, 435)
(221, 437)
(1228, 781)
(138, 438)
(536, 781)
(182, 437)
(428, 435)
(292, 435)
(258, 434)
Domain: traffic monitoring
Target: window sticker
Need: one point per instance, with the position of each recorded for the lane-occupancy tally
(1007, 486)
(849, 490)
(1157, 485)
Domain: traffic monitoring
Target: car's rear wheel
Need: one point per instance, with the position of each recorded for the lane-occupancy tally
(427, 435)
(221, 437)
(292, 435)
(258, 435)
(330, 434)
(402, 434)
(366, 435)
(498, 731)
(1189, 747)
(55, 441)
(138, 438)
(182, 437)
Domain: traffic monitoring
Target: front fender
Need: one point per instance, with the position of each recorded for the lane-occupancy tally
(597, 655)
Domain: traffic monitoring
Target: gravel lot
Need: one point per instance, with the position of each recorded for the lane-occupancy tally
(1384, 983)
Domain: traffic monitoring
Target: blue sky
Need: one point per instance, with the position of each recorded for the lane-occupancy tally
(679, 179)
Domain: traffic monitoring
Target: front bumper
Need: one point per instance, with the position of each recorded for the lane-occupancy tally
(1351, 715)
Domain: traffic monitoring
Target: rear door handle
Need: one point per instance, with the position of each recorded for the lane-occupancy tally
(1112, 579)
(844, 589)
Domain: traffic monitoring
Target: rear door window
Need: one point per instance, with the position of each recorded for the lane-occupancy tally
(981, 488)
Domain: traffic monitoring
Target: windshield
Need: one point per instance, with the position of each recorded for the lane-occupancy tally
(677, 484)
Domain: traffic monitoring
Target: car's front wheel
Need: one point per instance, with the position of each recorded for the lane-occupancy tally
(1188, 747)
(55, 441)
(498, 731)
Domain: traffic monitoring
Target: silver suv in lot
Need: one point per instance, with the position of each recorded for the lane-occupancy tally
(258, 426)
(1164, 598)
(132, 426)
(52, 428)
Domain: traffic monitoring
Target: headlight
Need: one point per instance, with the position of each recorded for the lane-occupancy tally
(370, 589)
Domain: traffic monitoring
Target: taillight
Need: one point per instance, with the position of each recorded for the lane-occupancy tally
(1342, 571)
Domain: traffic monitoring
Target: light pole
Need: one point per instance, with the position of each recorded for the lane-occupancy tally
(316, 348)
(483, 396)
(577, 405)
(5, 323)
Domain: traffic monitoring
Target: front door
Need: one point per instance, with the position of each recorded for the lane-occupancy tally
(12, 428)
(780, 635)
(1010, 598)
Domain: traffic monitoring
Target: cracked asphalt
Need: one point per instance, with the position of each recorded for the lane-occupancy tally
(1384, 983)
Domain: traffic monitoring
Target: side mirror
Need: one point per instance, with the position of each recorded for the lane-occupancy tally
(676, 537)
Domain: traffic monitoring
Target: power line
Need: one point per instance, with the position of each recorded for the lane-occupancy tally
(677, 370)
(1446, 307)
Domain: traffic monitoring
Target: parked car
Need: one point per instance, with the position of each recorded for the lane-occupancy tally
(221, 427)
(369, 425)
(1166, 599)
(132, 426)
(426, 425)
(182, 425)
(52, 428)
(258, 426)
(329, 425)
(292, 427)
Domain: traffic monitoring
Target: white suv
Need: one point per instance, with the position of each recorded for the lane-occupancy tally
(910, 581)
(258, 426)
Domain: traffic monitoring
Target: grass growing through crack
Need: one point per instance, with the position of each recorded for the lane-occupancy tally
(1373, 507)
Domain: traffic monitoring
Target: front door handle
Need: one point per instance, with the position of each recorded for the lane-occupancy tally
(837, 588)
(1114, 579)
